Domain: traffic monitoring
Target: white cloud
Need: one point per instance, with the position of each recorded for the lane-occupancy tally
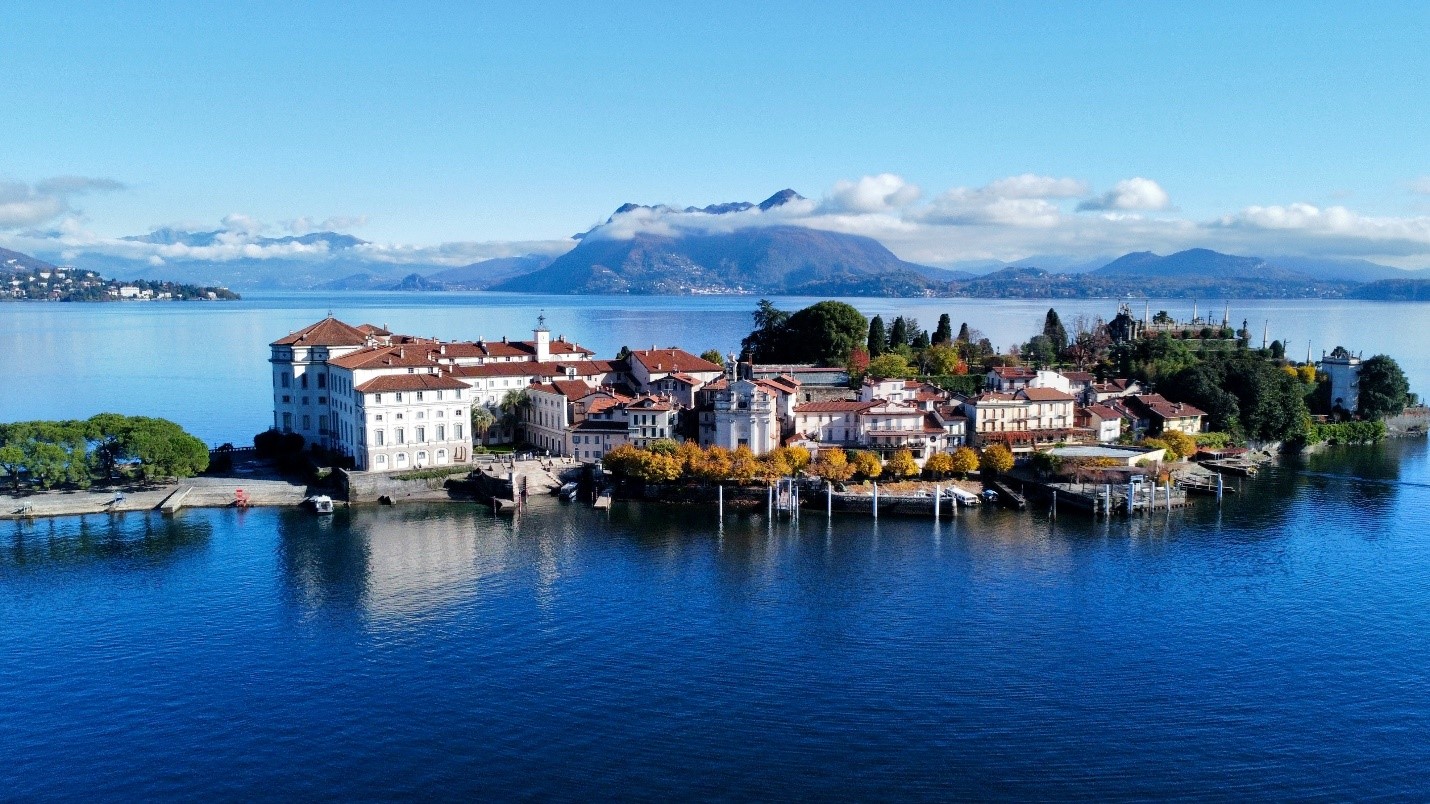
(22, 205)
(1030, 185)
(337, 223)
(1420, 186)
(1135, 194)
(871, 194)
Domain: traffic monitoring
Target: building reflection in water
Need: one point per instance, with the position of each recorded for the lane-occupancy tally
(100, 537)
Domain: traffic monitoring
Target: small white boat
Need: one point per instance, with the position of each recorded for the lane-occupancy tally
(567, 492)
(321, 503)
(965, 498)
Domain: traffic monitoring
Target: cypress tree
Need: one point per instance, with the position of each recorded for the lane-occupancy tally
(878, 340)
(963, 332)
(899, 333)
(943, 333)
(1053, 328)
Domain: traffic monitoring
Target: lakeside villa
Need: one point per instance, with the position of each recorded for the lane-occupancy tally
(388, 401)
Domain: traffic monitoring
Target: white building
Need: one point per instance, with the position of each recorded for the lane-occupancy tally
(1343, 369)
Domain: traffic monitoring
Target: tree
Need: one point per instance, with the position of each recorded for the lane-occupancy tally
(1243, 394)
(1040, 351)
(878, 340)
(714, 356)
(964, 335)
(482, 421)
(1054, 330)
(163, 449)
(858, 364)
(825, 333)
(964, 460)
(513, 404)
(1278, 350)
(1384, 391)
(832, 465)
(743, 465)
(888, 366)
(1180, 445)
(902, 464)
(12, 463)
(899, 333)
(664, 446)
(796, 457)
(713, 464)
(921, 339)
(996, 459)
(943, 360)
(866, 463)
(939, 464)
(943, 333)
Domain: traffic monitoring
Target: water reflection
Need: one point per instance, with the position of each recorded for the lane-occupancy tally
(103, 537)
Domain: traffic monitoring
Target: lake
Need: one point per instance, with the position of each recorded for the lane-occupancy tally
(1277, 647)
(205, 365)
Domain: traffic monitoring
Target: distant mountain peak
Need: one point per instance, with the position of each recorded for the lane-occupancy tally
(779, 199)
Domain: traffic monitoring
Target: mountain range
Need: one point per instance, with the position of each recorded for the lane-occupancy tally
(750, 253)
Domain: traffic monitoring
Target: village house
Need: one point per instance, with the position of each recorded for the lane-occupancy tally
(1152, 414)
(1021, 420)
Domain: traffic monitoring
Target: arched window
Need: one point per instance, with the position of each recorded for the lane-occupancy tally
(401, 460)
(441, 456)
(381, 460)
(422, 458)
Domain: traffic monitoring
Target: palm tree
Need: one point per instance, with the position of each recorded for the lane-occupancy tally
(482, 421)
(512, 406)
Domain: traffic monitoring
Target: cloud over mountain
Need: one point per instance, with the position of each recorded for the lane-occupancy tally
(23, 205)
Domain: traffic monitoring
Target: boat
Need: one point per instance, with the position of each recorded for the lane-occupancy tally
(1007, 496)
(964, 498)
(320, 503)
(989, 496)
(567, 492)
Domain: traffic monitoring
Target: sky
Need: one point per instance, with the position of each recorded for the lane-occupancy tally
(950, 132)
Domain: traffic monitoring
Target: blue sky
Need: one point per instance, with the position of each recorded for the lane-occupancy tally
(423, 124)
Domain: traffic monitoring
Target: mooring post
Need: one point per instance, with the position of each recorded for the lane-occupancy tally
(770, 505)
(829, 498)
(876, 500)
(1055, 503)
(937, 495)
(1218, 488)
(721, 496)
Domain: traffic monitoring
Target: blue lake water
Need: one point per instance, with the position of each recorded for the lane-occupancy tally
(205, 365)
(1276, 648)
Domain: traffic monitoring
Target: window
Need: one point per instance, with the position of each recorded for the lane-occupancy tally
(421, 434)
(285, 380)
(322, 381)
(441, 413)
(399, 417)
(457, 431)
(401, 460)
(304, 380)
(441, 432)
(378, 417)
(419, 396)
(378, 437)
(421, 415)
(377, 399)
(441, 456)
(400, 436)
(287, 421)
(421, 458)
(459, 393)
(381, 460)
(307, 422)
(439, 396)
(399, 396)
(287, 399)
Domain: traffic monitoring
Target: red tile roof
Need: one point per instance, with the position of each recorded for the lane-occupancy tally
(328, 332)
(834, 406)
(673, 360)
(1158, 405)
(378, 357)
(527, 368)
(410, 382)
(1045, 395)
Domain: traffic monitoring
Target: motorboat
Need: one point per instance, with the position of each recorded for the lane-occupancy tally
(320, 503)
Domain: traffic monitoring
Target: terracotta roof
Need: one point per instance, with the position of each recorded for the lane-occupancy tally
(673, 360)
(1158, 405)
(328, 332)
(571, 389)
(377, 357)
(410, 382)
(1079, 376)
(1046, 395)
(1014, 372)
(1103, 412)
(648, 402)
(373, 329)
(527, 368)
(834, 406)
